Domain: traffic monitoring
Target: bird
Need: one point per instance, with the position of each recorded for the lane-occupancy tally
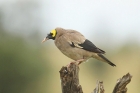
(75, 46)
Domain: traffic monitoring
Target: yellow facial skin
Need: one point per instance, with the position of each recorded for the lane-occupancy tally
(53, 33)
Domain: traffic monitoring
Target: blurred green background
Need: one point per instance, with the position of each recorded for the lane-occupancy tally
(27, 66)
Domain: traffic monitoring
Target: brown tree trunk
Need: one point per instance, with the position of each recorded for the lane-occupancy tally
(69, 76)
(70, 79)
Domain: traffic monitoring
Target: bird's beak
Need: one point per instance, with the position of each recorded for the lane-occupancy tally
(45, 39)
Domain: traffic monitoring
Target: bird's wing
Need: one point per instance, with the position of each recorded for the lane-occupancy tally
(76, 39)
(89, 46)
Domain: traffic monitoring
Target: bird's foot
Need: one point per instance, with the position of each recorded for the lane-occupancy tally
(70, 64)
(78, 62)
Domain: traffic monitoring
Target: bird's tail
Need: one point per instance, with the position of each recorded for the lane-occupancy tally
(102, 58)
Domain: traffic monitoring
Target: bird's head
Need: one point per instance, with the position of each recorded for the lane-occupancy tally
(51, 35)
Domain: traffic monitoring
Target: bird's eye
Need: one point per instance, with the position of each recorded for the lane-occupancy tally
(51, 34)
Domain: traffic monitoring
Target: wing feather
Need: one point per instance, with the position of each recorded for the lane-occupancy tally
(76, 39)
(89, 46)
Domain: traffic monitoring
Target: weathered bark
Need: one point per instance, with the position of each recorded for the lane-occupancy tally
(120, 86)
(70, 81)
(99, 87)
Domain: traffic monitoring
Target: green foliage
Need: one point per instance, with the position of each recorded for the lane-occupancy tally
(21, 65)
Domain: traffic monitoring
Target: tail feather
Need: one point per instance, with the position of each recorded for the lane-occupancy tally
(106, 60)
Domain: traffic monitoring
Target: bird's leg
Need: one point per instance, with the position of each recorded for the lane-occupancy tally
(71, 63)
(77, 61)
(80, 61)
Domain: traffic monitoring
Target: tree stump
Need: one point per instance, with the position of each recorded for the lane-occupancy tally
(70, 79)
(69, 76)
